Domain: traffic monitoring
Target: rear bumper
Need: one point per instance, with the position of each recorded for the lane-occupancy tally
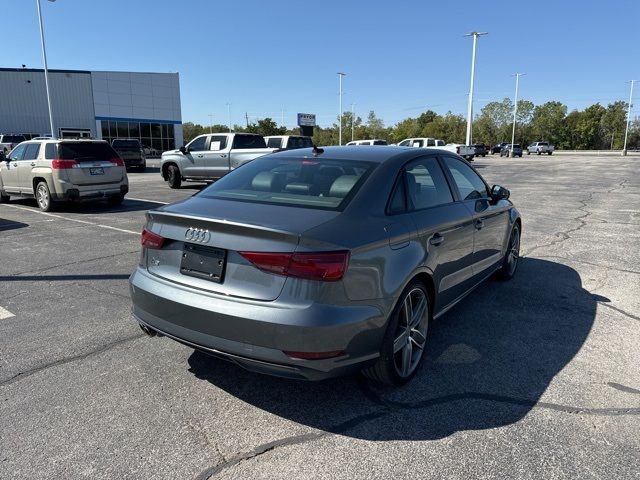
(134, 162)
(82, 194)
(254, 334)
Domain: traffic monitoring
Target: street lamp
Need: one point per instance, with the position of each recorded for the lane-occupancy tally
(626, 132)
(475, 36)
(515, 110)
(210, 122)
(46, 70)
(340, 75)
(353, 119)
(229, 115)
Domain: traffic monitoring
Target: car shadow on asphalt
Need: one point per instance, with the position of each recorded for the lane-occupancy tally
(489, 360)
(6, 225)
(95, 207)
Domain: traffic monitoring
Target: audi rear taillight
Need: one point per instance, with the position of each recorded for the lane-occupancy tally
(118, 162)
(151, 240)
(325, 266)
(59, 164)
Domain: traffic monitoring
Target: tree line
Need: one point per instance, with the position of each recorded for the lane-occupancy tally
(595, 128)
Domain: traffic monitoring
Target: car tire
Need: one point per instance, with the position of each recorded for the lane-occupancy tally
(403, 345)
(528, 152)
(43, 197)
(173, 177)
(115, 200)
(142, 168)
(512, 255)
(539, 152)
(4, 198)
(520, 155)
(550, 153)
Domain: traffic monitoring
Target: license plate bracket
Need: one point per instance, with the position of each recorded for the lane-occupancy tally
(96, 171)
(203, 262)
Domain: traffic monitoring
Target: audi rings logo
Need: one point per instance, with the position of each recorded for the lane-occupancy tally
(197, 235)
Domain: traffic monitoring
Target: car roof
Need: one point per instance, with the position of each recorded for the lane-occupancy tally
(367, 153)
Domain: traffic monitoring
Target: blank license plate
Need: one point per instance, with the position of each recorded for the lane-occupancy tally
(203, 262)
(96, 171)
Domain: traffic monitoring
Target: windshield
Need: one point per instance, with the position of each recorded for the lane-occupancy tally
(297, 182)
(86, 151)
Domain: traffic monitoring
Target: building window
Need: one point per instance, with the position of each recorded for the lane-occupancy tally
(159, 136)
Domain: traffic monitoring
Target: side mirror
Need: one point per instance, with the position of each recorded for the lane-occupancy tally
(184, 150)
(499, 193)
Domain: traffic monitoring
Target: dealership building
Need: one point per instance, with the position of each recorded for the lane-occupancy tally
(93, 104)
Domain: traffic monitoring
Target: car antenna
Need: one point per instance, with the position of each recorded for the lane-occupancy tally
(317, 151)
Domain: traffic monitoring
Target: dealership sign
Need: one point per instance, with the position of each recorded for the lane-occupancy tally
(306, 120)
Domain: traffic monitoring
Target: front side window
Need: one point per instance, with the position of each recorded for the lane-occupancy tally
(469, 183)
(404, 143)
(295, 182)
(197, 144)
(426, 184)
(17, 153)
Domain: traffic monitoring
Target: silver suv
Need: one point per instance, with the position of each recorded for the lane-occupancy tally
(63, 170)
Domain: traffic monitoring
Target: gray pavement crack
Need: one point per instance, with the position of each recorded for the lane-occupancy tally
(619, 310)
(623, 388)
(607, 267)
(390, 406)
(27, 373)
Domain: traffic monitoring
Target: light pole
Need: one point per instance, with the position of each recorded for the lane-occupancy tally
(353, 119)
(626, 132)
(475, 36)
(340, 75)
(46, 70)
(229, 116)
(515, 110)
(210, 122)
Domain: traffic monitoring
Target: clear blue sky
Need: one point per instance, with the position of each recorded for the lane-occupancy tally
(401, 57)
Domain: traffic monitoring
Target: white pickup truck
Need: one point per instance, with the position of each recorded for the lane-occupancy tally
(540, 148)
(211, 156)
(465, 151)
(7, 142)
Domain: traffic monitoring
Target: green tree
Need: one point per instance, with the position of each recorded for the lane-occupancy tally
(547, 122)
(589, 128)
(614, 123)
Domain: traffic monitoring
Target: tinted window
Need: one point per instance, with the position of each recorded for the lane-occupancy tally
(440, 143)
(197, 144)
(306, 142)
(398, 201)
(86, 151)
(380, 142)
(469, 183)
(404, 143)
(13, 138)
(431, 142)
(417, 143)
(296, 182)
(31, 152)
(249, 141)
(218, 142)
(17, 153)
(274, 143)
(50, 151)
(126, 144)
(427, 185)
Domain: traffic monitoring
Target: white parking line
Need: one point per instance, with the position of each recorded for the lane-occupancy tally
(84, 222)
(145, 200)
(4, 313)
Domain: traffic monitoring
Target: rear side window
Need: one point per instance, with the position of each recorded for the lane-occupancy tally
(248, 141)
(431, 142)
(380, 142)
(31, 152)
(426, 184)
(398, 201)
(50, 151)
(86, 151)
(296, 182)
(469, 183)
(274, 143)
(218, 142)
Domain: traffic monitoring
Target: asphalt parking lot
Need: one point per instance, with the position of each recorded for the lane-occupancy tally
(533, 378)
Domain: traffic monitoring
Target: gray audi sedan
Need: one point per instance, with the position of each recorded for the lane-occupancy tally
(313, 263)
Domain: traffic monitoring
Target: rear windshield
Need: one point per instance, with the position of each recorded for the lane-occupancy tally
(296, 182)
(126, 144)
(12, 138)
(86, 151)
(515, 145)
(380, 142)
(274, 143)
(249, 141)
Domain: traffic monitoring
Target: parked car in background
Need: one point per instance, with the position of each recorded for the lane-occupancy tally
(311, 264)
(211, 156)
(507, 151)
(465, 151)
(497, 148)
(540, 148)
(368, 142)
(288, 142)
(149, 151)
(63, 170)
(8, 142)
(131, 152)
(479, 149)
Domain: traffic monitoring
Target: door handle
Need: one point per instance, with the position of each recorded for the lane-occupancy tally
(479, 224)
(436, 240)
(33, 164)
(200, 156)
(224, 155)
